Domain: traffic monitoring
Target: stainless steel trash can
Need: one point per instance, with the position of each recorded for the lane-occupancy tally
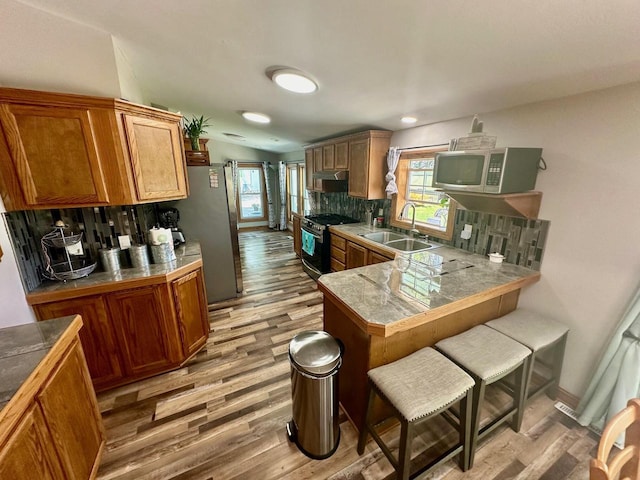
(315, 358)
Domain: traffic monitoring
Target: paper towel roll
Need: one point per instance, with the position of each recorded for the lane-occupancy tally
(158, 236)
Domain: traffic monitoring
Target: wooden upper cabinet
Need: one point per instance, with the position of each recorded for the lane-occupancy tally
(328, 157)
(342, 155)
(155, 149)
(61, 150)
(191, 311)
(54, 155)
(363, 154)
(368, 165)
(308, 169)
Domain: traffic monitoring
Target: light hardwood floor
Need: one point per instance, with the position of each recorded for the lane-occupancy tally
(223, 415)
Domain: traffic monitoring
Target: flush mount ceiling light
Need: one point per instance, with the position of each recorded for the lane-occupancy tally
(408, 120)
(256, 117)
(292, 80)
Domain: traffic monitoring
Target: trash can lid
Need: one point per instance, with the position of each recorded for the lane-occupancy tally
(315, 352)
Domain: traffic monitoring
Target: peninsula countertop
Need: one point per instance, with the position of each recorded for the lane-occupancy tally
(417, 288)
(23, 347)
(188, 256)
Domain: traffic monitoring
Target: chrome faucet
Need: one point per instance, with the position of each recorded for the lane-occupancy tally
(414, 231)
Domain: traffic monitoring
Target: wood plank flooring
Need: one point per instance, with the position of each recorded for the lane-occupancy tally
(222, 416)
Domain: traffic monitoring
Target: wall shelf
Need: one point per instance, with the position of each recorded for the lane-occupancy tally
(525, 205)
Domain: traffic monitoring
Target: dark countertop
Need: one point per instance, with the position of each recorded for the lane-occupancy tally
(186, 255)
(22, 348)
(425, 284)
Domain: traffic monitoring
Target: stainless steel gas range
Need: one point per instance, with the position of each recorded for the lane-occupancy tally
(316, 248)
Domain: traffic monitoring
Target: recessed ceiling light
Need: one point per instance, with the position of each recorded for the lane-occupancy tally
(408, 120)
(256, 117)
(293, 80)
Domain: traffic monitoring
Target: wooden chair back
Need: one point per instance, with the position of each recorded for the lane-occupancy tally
(625, 464)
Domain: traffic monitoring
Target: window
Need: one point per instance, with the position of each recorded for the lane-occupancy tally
(434, 210)
(296, 191)
(251, 193)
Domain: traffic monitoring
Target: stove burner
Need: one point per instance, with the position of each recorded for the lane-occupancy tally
(330, 219)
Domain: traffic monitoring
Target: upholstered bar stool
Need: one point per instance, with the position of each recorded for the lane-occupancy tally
(418, 387)
(488, 356)
(540, 334)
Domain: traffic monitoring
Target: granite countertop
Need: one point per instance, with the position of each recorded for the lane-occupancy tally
(22, 348)
(185, 255)
(387, 293)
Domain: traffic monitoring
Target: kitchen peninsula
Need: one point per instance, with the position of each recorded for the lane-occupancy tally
(50, 424)
(138, 322)
(385, 311)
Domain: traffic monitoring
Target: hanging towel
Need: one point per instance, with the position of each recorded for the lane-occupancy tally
(308, 242)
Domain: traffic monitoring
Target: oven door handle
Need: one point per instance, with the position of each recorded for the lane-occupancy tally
(317, 235)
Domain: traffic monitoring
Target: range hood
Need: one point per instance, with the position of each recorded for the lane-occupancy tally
(332, 175)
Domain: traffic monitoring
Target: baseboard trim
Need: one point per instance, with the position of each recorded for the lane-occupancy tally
(567, 398)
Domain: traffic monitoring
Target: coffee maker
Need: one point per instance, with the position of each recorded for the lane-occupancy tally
(169, 218)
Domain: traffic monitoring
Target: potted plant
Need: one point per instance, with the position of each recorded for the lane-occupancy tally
(194, 128)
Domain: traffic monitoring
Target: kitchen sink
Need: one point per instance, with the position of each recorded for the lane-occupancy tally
(383, 237)
(409, 245)
(398, 241)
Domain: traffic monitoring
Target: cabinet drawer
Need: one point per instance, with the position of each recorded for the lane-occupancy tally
(336, 266)
(338, 254)
(338, 242)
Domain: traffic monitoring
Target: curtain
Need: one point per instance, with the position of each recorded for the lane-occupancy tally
(268, 180)
(234, 174)
(283, 195)
(617, 377)
(392, 163)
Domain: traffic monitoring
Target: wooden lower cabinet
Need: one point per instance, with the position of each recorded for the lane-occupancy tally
(357, 255)
(97, 335)
(297, 235)
(52, 429)
(75, 423)
(375, 257)
(134, 333)
(143, 331)
(29, 453)
(191, 311)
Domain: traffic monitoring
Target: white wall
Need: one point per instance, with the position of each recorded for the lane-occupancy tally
(591, 190)
(45, 52)
(13, 305)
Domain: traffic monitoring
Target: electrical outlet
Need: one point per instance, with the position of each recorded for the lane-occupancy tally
(124, 241)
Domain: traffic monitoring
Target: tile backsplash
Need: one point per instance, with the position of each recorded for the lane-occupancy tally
(101, 227)
(520, 240)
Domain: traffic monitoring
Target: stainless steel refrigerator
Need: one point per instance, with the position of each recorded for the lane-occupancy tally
(209, 216)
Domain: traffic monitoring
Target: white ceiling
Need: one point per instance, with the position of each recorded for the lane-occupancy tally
(375, 60)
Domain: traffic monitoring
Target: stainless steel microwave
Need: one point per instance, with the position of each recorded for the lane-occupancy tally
(500, 170)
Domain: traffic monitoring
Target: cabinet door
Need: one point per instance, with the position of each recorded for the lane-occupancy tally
(191, 311)
(342, 156)
(143, 330)
(96, 335)
(317, 167)
(71, 413)
(357, 256)
(28, 453)
(155, 149)
(328, 158)
(358, 168)
(377, 258)
(297, 235)
(308, 168)
(54, 156)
